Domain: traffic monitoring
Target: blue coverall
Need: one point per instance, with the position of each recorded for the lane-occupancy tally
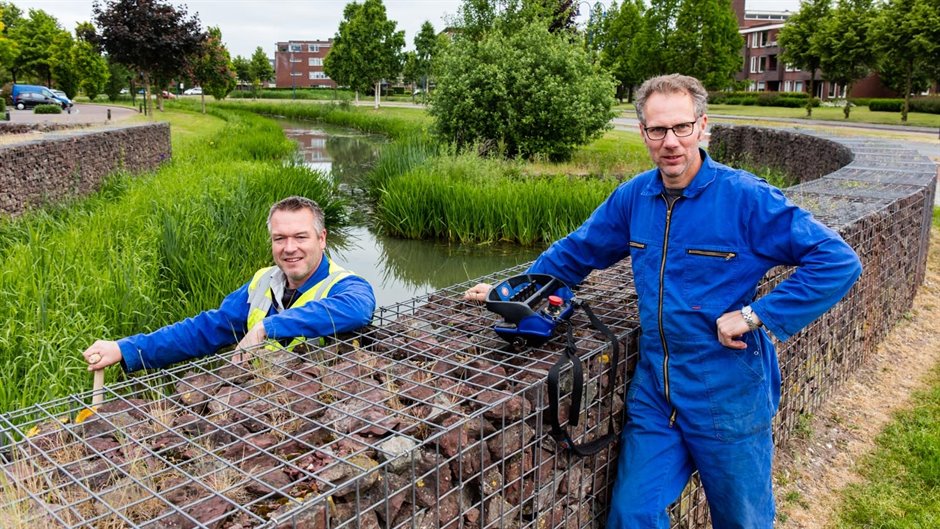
(693, 403)
(348, 306)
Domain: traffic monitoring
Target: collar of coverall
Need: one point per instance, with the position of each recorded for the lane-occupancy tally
(704, 177)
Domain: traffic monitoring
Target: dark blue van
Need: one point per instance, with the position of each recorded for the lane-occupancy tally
(29, 95)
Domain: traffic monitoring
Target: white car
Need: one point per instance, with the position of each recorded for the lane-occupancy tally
(194, 91)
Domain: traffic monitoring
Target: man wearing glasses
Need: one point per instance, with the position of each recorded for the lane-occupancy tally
(701, 236)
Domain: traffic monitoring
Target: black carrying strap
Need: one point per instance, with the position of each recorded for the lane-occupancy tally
(577, 386)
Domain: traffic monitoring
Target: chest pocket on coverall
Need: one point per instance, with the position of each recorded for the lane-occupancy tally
(706, 274)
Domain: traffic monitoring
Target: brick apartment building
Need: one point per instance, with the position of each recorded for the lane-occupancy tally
(299, 64)
(765, 71)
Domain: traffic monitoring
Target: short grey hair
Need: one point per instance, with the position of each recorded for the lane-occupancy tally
(297, 203)
(672, 84)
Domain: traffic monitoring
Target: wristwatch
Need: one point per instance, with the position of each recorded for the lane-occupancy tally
(748, 314)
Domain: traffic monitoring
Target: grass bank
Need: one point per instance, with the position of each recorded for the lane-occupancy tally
(143, 252)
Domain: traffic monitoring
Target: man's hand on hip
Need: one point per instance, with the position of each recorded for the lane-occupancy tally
(731, 327)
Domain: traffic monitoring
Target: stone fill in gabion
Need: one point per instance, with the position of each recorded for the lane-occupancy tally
(427, 419)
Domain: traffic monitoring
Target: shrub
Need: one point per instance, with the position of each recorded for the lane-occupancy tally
(524, 93)
(765, 99)
(885, 105)
(928, 105)
(47, 109)
(3, 104)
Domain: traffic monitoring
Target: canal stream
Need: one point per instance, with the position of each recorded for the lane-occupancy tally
(398, 269)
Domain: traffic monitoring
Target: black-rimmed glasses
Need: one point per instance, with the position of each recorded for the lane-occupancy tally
(681, 130)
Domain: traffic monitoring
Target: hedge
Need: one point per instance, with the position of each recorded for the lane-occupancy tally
(767, 99)
(47, 109)
(927, 105)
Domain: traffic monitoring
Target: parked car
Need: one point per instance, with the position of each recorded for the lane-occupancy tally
(194, 91)
(30, 99)
(18, 92)
(60, 95)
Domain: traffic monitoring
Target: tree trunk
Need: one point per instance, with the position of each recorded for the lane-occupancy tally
(378, 93)
(812, 93)
(357, 97)
(202, 97)
(848, 103)
(908, 81)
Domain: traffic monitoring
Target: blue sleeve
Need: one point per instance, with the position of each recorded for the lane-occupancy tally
(827, 267)
(600, 242)
(200, 335)
(348, 306)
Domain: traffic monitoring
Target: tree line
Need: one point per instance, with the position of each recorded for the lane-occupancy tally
(132, 43)
(849, 39)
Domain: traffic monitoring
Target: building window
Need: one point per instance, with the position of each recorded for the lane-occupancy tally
(836, 91)
(787, 85)
(798, 86)
(761, 64)
(760, 86)
(294, 59)
(313, 48)
(295, 47)
(318, 75)
(315, 61)
(296, 74)
(772, 63)
(753, 64)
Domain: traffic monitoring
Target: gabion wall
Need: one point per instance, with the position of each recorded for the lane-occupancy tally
(427, 419)
(62, 165)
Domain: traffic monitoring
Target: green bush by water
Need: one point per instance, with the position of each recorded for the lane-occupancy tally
(144, 252)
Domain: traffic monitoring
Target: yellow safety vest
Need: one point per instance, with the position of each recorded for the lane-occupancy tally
(260, 298)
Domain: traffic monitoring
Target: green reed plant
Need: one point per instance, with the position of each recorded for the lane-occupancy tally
(461, 197)
(145, 251)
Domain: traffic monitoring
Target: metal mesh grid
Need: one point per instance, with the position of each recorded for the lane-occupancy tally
(427, 419)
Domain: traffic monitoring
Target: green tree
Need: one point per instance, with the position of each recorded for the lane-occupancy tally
(409, 71)
(524, 93)
(650, 51)
(87, 63)
(845, 51)
(618, 39)
(212, 69)
(38, 38)
(119, 77)
(9, 16)
(800, 41)
(150, 37)
(425, 51)
(905, 36)
(366, 48)
(242, 68)
(706, 43)
(259, 69)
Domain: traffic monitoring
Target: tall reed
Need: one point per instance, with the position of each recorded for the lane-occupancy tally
(144, 252)
(468, 199)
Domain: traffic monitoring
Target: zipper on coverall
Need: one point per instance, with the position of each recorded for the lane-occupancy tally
(662, 334)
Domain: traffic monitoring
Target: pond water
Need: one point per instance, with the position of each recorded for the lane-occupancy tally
(398, 269)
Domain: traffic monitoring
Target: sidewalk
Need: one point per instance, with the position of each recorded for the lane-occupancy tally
(81, 114)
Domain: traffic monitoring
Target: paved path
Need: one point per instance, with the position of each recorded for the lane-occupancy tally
(81, 114)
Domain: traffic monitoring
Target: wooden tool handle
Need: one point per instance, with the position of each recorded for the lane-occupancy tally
(97, 389)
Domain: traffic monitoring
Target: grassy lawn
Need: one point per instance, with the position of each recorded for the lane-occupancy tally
(902, 477)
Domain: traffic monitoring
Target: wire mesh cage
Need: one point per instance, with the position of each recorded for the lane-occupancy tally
(425, 420)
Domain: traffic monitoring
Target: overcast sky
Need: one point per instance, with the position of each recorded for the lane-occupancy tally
(247, 24)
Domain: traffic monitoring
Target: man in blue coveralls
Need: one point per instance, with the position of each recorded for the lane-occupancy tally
(700, 236)
(305, 296)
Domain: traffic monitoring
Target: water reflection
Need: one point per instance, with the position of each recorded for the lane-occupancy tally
(398, 269)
